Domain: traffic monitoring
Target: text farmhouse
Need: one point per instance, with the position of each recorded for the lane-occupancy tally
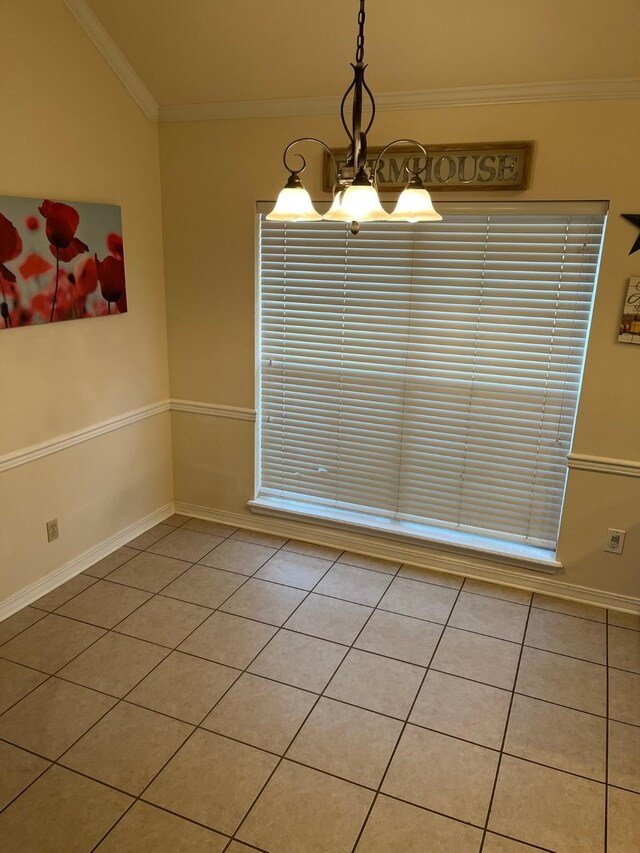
(482, 166)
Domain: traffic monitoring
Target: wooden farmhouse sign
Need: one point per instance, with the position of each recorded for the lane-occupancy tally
(483, 166)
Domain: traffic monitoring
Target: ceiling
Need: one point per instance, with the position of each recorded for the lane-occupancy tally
(207, 51)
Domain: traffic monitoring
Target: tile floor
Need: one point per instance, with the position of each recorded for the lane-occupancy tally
(213, 689)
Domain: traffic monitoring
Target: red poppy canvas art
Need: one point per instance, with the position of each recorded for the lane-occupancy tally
(59, 261)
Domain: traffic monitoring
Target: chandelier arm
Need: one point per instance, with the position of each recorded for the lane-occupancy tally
(373, 105)
(413, 172)
(304, 162)
(342, 103)
(356, 115)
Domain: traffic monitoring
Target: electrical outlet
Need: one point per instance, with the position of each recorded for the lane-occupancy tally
(52, 530)
(615, 541)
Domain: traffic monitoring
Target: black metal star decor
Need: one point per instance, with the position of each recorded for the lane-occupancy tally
(634, 219)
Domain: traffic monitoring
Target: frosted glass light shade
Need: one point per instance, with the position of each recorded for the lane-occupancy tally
(335, 207)
(359, 203)
(414, 205)
(294, 205)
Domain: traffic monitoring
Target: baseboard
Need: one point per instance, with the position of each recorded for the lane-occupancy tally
(36, 590)
(453, 564)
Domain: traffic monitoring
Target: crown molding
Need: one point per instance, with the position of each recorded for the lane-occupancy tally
(513, 93)
(114, 57)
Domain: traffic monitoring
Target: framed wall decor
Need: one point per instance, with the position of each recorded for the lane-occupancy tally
(59, 261)
(496, 166)
(629, 332)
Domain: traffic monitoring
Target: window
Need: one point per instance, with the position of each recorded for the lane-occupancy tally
(423, 379)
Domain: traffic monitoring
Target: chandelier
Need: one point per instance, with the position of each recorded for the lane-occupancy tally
(355, 193)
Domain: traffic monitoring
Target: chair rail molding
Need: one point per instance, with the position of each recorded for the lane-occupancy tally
(215, 410)
(62, 442)
(603, 465)
(576, 461)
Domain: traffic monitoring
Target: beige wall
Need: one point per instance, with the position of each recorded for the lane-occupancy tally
(70, 131)
(214, 172)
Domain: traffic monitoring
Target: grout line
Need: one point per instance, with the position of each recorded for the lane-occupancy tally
(573, 615)
(111, 571)
(246, 844)
(523, 843)
(561, 705)
(291, 550)
(30, 625)
(32, 782)
(504, 735)
(405, 724)
(553, 767)
(92, 582)
(620, 627)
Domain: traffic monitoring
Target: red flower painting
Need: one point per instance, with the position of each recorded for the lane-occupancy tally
(50, 267)
(34, 265)
(10, 248)
(114, 244)
(111, 278)
(9, 239)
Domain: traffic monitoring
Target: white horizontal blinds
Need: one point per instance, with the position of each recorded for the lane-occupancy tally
(427, 372)
(334, 342)
(500, 314)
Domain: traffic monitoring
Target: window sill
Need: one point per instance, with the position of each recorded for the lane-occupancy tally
(513, 553)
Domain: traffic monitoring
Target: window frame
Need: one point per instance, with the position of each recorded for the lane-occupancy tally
(427, 535)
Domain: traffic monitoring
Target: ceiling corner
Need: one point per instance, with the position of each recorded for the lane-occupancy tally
(114, 57)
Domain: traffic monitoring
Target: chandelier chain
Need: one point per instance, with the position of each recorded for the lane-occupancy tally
(360, 42)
